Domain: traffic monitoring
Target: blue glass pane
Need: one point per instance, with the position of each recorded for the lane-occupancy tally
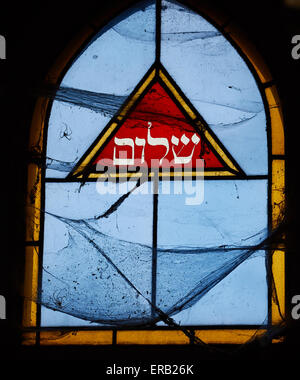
(200, 245)
(218, 82)
(109, 67)
(241, 298)
(95, 267)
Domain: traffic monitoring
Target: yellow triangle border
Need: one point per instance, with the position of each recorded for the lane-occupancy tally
(153, 74)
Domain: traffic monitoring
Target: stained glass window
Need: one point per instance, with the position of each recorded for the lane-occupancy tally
(124, 247)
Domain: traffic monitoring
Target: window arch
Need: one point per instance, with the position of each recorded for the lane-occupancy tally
(212, 79)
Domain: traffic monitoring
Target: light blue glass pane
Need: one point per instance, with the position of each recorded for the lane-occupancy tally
(240, 298)
(96, 268)
(81, 125)
(53, 318)
(218, 82)
(119, 55)
(199, 246)
(111, 65)
(232, 213)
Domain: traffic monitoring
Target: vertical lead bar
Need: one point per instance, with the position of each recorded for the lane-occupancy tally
(158, 31)
(156, 175)
(154, 247)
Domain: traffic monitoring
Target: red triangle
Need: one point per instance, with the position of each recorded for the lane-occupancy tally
(168, 123)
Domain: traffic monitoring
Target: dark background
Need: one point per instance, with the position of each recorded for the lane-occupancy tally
(36, 33)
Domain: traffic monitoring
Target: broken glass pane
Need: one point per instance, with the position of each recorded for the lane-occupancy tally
(217, 81)
(92, 265)
(98, 82)
(204, 242)
(241, 298)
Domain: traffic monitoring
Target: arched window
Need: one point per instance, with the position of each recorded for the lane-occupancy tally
(151, 218)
